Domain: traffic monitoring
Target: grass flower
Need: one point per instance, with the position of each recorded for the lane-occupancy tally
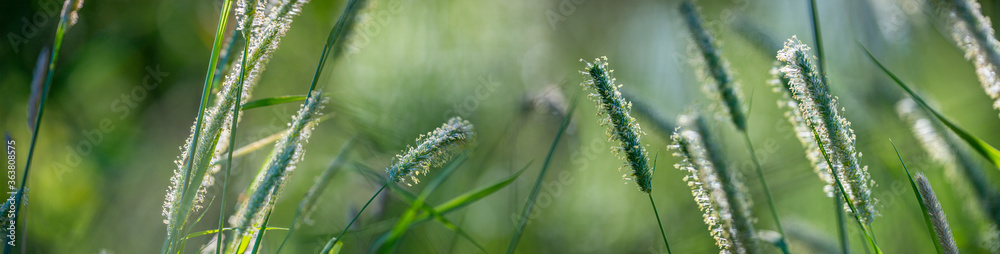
(974, 34)
(802, 131)
(269, 182)
(716, 68)
(823, 114)
(433, 150)
(615, 111)
(938, 219)
(719, 193)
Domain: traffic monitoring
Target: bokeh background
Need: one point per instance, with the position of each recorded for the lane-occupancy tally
(511, 68)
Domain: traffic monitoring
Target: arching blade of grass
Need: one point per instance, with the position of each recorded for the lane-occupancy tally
(308, 202)
(408, 217)
(273, 101)
(523, 221)
(985, 149)
(920, 200)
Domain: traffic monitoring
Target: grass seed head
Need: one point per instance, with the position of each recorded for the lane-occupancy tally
(720, 83)
(822, 113)
(432, 150)
(938, 219)
(973, 32)
(615, 113)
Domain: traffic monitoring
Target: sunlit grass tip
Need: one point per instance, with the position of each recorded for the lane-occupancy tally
(719, 80)
(433, 150)
(973, 32)
(615, 111)
(719, 194)
(822, 113)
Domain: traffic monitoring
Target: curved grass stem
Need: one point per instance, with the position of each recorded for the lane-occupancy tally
(658, 222)
(332, 242)
(781, 243)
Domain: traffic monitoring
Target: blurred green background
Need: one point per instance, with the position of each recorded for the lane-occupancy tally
(511, 68)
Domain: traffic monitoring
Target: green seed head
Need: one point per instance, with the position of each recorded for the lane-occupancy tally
(614, 110)
(433, 150)
(822, 113)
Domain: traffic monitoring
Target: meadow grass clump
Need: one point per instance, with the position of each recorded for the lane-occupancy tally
(718, 191)
(263, 29)
(936, 215)
(832, 132)
(615, 111)
(270, 180)
(973, 32)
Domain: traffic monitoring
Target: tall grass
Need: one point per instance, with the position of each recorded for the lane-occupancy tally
(974, 34)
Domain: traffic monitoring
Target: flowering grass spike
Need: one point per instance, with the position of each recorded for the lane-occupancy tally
(615, 111)
(433, 150)
(822, 113)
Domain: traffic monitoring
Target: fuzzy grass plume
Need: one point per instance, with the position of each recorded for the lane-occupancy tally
(804, 134)
(719, 193)
(822, 113)
(269, 182)
(936, 215)
(719, 79)
(433, 150)
(974, 33)
(615, 111)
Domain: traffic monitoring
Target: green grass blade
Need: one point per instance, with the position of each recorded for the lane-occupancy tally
(232, 142)
(985, 149)
(273, 101)
(260, 233)
(336, 248)
(523, 221)
(920, 200)
(333, 242)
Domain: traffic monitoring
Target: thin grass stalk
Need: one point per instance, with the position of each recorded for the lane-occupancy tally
(67, 18)
(530, 203)
(232, 142)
